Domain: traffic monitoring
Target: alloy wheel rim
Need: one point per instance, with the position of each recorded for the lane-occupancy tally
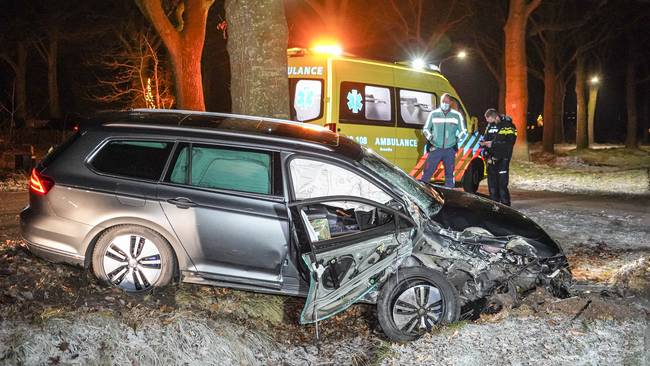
(132, 262)
(418, 309)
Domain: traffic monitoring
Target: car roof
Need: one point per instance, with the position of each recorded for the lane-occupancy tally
(212, 124)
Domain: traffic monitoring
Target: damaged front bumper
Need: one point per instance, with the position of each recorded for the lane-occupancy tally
(482, 266)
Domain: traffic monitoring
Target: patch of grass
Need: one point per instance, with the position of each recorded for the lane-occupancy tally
(617, 157)
(264, 307)
(457, 325)
(49, 313)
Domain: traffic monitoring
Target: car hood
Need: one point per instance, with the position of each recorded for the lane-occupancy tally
(462, 210)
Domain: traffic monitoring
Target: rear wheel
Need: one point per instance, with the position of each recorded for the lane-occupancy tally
(472, 177)
(415, 300)
(133, 258)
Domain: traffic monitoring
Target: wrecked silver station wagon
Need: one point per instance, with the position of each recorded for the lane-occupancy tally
(278, 207)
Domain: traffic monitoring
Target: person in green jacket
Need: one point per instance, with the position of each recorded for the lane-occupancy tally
(442, 130)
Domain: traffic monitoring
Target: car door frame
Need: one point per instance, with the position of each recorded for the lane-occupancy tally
(293, 202)
(375, 271)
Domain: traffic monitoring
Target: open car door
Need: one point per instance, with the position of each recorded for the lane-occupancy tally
(350, 246)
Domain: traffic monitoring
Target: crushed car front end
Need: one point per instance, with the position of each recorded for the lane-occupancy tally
(491, 253)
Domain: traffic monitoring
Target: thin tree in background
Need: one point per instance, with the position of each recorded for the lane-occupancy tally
(14, 39)
(17, 60)
(257, 46)
(516, 72)
(552, 19)
(638, 44)
(184, 40)
(135, 75)
(487, 39)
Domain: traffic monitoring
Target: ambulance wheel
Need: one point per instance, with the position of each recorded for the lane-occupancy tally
(472, 177)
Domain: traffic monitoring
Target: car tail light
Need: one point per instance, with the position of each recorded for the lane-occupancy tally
(331, 127)
(39, 183)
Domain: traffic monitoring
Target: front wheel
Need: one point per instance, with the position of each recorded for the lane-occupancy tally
(133, 258)
(413, 301)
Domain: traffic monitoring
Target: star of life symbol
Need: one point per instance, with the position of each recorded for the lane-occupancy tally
(305, 99)
(354, 101)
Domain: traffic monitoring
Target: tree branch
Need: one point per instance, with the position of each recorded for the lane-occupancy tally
(197, 12)
(530, 8)
(8, 60)
(153, 10)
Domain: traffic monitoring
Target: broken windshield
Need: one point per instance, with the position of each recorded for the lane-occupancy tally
(426, 197)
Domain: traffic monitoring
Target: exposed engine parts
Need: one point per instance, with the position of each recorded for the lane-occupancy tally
(483, 266)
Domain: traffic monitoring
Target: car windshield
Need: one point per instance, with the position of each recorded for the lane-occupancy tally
(426, 197)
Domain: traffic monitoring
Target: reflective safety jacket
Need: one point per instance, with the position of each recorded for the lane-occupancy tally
(442, 129)
(503, 135)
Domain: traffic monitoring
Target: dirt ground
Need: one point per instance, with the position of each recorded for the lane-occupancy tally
(57, 314)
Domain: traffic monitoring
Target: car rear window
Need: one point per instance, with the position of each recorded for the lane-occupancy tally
(141, 159)
(54, 152)
(224, 168)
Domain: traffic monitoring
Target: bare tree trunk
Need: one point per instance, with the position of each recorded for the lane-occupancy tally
(581, 108)
(548, 138)
(186, 63)
(516, 70)
(502, 92)
(52, 75)
(257, 43)
(21, 82)
(631, 141)
(591, 112)
(559, 95)
(184, 44)
(646, 118)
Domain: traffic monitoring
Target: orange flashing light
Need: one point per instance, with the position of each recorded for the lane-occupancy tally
(330, 49)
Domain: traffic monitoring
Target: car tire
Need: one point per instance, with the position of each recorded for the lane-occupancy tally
(413, 301)
(133, 258)
(472, 177)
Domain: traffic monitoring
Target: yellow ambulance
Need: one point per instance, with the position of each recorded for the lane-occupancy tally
(380, 105)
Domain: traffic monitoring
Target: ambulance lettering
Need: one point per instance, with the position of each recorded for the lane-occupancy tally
(305, 70)
(391, 141)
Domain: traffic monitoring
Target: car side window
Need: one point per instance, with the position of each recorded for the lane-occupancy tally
(314, 178)
(223, 168)
(146, 159)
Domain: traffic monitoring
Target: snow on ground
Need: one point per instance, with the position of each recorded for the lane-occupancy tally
(602, 169)
(539, 177)
(96, 339)
(587, 227)
(531, 341)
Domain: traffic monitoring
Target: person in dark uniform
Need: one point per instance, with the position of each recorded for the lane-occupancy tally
(500, 137)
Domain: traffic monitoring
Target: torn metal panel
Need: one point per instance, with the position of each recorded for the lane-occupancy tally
(480, 264)
(341, 277)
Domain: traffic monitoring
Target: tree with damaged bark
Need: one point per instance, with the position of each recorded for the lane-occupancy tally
(257, 46)
(519, 11)
(183, 35)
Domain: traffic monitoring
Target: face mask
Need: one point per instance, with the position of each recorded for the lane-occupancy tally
(444, 106)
